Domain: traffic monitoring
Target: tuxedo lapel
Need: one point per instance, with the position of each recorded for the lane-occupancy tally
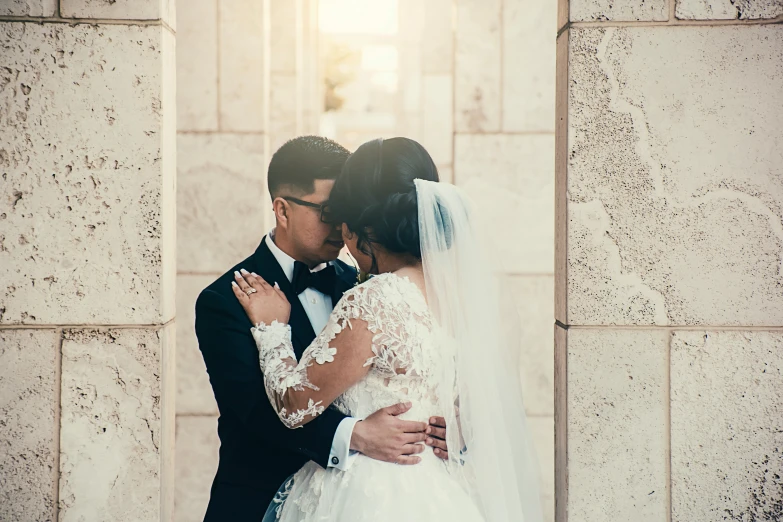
(302, 333)
(345, 280)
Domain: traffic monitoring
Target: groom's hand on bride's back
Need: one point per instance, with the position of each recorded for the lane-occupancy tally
(436, 437)
(384, 436)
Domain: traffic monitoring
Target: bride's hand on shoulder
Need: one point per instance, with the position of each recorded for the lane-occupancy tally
(263, 303)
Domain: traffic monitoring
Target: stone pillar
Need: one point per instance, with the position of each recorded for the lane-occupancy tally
(669, 290)
(409, 39)
(312, 82)
(503, 117)
(222, 136)
(286, 71)
(435, 51)
(87, 246)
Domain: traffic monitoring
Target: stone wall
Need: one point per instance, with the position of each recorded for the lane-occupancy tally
(87, 242)
(668, 260)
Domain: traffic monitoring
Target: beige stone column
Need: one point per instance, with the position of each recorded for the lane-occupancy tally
(312, 82)
(669, 287)
(409, 40)
(286, 102)
(87, 246)
(223, 210)
(503, 117)
(435, 50)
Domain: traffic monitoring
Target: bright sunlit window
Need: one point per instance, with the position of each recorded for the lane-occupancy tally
(379, 58)
(358, 16)
(360, 53)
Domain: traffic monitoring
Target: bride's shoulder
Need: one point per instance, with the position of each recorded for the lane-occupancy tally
(376, 286)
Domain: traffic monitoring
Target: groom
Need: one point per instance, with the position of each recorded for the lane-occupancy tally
(258, 453)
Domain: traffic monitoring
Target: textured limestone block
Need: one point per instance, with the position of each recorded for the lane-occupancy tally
(28, 8)
(438, 117)
(727, 442)
(477, 66)
(534, 298)
(542, 430)
(529, 66)
(114, 451)
(242, 65)
(197, 461)
(221, 192)
(28, 424)
(197, 63)
(511, 179)
(120, 9)
(437, 44)
(618, 10)
(86, 173)
(617, 431)
(675, 199)
(194, 393)
(728, 9)
(561, 423)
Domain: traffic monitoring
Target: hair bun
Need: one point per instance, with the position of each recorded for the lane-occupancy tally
(397, 223)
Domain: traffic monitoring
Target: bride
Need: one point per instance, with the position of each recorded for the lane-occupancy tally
(426, 329)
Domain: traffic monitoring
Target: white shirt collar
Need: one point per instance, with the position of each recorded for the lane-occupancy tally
(285, 261)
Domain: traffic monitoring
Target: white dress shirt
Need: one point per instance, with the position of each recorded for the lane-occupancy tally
(318, 308)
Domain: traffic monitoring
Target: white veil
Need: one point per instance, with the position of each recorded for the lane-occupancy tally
(487, 419)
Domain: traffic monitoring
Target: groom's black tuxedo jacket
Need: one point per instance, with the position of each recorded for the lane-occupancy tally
(257, 453)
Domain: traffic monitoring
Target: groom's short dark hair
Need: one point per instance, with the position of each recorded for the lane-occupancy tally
(301, 161)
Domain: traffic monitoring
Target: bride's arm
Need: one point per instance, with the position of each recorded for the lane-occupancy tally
(301, 390)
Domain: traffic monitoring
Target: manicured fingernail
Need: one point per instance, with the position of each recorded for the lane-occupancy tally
(243, 271)
(253, 273)
(429, 430)
(236, 274)
(276, 285)
(233, 283)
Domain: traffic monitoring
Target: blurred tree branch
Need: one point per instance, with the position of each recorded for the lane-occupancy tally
(340, 65)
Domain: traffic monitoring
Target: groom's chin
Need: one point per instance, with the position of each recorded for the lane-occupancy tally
(334, 247)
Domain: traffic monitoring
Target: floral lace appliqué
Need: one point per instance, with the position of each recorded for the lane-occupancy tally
(397, 315)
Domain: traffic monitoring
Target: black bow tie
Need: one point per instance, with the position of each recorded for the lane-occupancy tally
(324, 280)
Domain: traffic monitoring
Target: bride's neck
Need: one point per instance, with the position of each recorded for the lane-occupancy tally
(396, 263)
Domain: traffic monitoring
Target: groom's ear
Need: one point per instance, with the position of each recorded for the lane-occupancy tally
(280, 208)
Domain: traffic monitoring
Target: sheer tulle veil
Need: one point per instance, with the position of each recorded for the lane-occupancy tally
(479, 385)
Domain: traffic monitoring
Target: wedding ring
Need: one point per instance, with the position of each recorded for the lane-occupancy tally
(251, 291)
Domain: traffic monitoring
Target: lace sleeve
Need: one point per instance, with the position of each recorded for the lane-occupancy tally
(338, 358)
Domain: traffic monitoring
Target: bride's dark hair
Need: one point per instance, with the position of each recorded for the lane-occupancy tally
(375, 195)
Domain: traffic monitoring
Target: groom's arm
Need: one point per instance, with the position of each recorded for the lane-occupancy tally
(231, 358)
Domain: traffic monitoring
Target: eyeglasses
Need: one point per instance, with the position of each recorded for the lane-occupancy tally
(322, 208)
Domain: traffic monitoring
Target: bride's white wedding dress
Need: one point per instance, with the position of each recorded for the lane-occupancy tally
(452, 354)
(407, 355)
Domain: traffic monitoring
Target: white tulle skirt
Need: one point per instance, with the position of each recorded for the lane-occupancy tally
(374, 491)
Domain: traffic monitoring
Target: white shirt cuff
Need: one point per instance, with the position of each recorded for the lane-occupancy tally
(341, 456)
